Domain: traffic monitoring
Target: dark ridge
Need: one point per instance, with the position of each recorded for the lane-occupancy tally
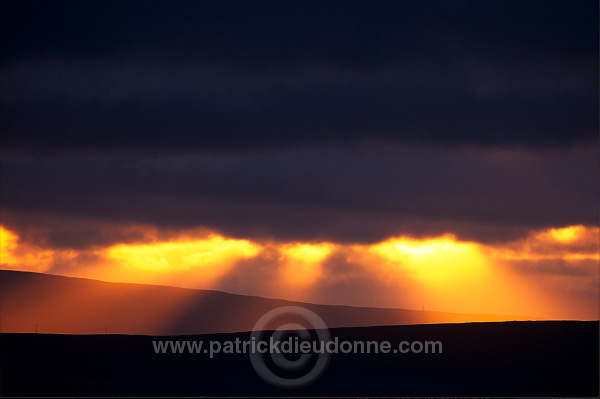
(515, 359)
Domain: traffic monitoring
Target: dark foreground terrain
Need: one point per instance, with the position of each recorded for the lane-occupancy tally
(544, 358)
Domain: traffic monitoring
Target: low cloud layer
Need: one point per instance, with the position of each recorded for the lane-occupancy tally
(351, 194)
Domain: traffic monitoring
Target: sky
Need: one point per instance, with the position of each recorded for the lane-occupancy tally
(437, 154)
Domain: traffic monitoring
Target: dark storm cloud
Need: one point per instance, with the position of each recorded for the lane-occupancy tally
(197, 75)
(350, 194)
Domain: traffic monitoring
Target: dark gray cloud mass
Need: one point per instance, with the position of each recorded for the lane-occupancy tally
(360, 194)
(311, 120)
(229, 74)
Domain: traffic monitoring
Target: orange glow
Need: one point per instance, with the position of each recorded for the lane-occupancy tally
(545, 274)
(310, 253)
(566, 234)
(448, 274)
(16, 255)
(203, 260)
(208, 253)
(439, 260)
(571, 243)
(8, 243)
(302, 264)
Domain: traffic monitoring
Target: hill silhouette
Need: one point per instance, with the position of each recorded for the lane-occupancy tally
(31, 302)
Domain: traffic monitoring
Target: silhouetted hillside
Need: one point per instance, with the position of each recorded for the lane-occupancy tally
(68, 305)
